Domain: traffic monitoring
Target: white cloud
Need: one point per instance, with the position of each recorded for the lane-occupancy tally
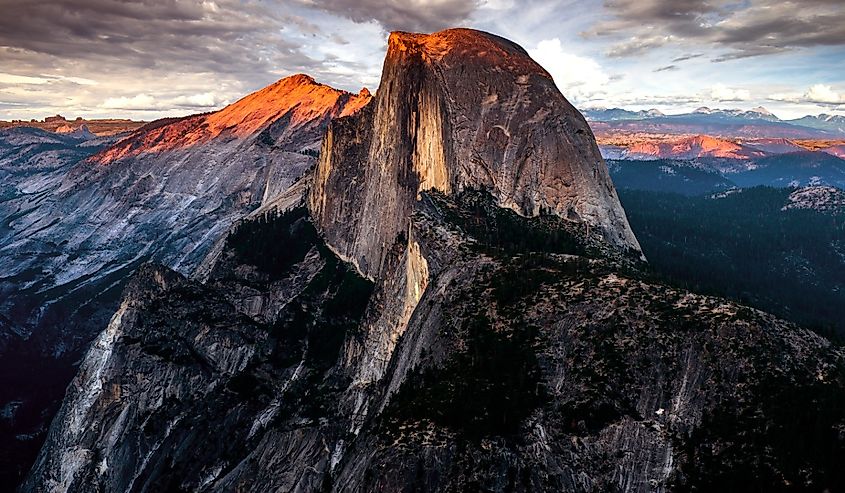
(721, 92)
(788, 97)
(821, 93)
(577, 77)
(204, 100)
(146, 102)
(637, 45)
(818, 94)
(21, 79)
(137, 102)
(82, 81)
(223, 50)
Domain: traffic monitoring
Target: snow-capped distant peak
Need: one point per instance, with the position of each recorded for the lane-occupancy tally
(703, 109)
(762, 111)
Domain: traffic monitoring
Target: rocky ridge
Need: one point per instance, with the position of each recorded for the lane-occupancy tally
(165, 192)
(819, 198)
(455, 304)
(75, 227)
(458, 110)
(305, 105)
(692, 147)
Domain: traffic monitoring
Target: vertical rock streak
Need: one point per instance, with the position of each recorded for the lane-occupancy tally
(465, 365)
(455, 110)
(458, 110)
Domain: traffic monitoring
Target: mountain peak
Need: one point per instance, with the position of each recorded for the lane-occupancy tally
(297, 79)
(299, 97)
(298, 94)
(762, 111)
(465, 45)
(458, 110)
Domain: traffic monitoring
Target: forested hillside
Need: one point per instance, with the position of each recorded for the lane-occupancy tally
(744, 246)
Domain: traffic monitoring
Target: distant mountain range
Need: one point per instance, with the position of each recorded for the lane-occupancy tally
(692, 147)
(712, 174)
(646, 148)
(833, 123)
(757, 122)
(60, 124)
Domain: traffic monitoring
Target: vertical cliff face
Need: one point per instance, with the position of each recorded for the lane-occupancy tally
(456, 110)
(488, 351)
(79, 217)
(513, 372)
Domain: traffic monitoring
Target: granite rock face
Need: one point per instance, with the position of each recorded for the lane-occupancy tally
(236, 373)
(409, 320)
(166, 192)
(455, 110)
(80, 215)
(517, 370)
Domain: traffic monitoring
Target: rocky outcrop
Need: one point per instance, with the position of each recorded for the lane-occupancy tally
(297, 107)
(569, 389)
(76, 226)
(818, 198)
(516, 371)
(236, 373)
(456, 110)
(505, 340)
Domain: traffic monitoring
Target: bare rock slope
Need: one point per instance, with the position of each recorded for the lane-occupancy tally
(448, 308)
(166, 192)
(518, 370)
(455, 110)
(78, 221)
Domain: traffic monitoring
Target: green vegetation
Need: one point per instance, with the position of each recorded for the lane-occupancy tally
(743, 246)
(486, 389)
(273, 242)
(503, 230)
(666, 175)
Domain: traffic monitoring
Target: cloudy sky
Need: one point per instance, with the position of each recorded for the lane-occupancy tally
(146, 59)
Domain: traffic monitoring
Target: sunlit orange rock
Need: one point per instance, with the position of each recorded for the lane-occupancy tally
(693, 147)
(298, 98)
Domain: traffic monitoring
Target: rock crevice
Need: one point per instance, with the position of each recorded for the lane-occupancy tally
(456, 110)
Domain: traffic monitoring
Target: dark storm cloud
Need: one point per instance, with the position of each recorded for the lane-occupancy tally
(667, 68)
(689, 56)
(95, 56)
(405, 15)
(742, 29)
(216, 36)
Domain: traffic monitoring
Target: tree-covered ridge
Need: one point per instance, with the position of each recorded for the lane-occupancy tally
(744, 246)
